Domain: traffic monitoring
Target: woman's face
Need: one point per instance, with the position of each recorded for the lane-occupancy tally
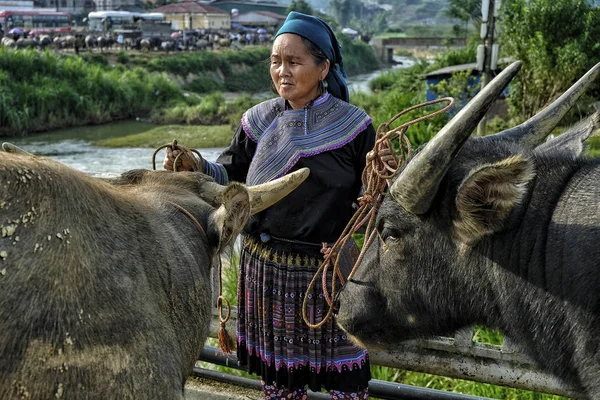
(294, 72)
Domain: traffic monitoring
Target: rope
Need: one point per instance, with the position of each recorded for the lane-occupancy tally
(226, 343)
(189, 214)
(379, 169)
(196, 162)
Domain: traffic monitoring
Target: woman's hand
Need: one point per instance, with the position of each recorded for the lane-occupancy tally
(387, 155)
(185, 163)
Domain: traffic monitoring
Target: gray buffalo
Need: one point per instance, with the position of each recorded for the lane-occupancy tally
(90, 42)
(8, 42)
(502, 230)
(105, 287)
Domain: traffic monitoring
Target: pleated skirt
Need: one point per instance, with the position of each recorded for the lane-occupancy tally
(273, 340)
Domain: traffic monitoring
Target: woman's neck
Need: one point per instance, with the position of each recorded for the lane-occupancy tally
(300, 106)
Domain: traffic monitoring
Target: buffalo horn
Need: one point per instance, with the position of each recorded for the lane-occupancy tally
(417, 184)
(11, 148)
(264, 195)
(534, 131)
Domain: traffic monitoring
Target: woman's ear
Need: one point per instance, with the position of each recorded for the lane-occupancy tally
(325, 69)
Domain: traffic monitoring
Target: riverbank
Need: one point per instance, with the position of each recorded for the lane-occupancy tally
(197, 137)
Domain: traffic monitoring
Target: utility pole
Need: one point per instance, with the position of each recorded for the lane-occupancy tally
(487, 53)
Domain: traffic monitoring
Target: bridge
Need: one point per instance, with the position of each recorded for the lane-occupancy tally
(384, 48)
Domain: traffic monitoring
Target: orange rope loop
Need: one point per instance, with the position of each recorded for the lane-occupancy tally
(382, 163)
(225, 343)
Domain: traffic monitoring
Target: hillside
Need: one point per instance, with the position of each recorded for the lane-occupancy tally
(428, 12)
(404, 12)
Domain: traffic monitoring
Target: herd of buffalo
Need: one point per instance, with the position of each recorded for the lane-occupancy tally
(105, 289)
(107, 42)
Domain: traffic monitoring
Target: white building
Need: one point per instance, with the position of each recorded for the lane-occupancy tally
(15, 5)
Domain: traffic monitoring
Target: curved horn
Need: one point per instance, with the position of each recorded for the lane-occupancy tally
(11, 148)
(533, 131)
(264, 195)
(416, 186)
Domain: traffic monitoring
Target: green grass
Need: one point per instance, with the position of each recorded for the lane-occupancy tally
(193, 136)
(42, 90)
(456, 385)
(594, 147)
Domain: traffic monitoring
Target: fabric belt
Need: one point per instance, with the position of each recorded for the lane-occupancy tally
(266, 238)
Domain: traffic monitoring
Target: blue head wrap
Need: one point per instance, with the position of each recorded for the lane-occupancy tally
(317, 31)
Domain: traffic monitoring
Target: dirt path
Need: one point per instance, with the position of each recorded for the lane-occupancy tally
(207, 389)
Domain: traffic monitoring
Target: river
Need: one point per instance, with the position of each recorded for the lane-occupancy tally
(73, 146)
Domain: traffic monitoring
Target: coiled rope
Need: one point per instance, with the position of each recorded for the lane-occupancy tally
(378, 172)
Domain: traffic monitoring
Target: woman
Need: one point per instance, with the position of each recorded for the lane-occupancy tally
(310, 125)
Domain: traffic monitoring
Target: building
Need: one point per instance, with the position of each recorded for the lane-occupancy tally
(15, 5)
(260, 19)
(70, 6)
(245, 6)
(190, 15)
(110, 5)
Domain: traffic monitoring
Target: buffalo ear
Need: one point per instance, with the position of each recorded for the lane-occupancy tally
(487, 196)
(230, 218)
(133, 177)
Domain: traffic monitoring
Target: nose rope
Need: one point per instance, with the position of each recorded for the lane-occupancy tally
(189, 214)
(375, 178)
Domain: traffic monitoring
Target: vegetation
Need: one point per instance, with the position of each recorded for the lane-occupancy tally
(211, 109)
(207, 71)
(556, 40)
(45, 90)
(41, 90)
(300, 6)
(466, 11)
(197, 137)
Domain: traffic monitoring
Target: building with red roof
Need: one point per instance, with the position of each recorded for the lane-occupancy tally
(190, 15)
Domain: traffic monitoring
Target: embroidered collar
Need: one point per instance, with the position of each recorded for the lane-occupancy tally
(283, 136)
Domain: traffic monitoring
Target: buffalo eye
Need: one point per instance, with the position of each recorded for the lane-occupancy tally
(388, 234)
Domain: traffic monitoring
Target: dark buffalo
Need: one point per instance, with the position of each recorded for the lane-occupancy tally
(105, 287)
(502, 230)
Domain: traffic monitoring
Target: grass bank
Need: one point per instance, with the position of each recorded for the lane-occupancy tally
(198, 137)
(42, 90)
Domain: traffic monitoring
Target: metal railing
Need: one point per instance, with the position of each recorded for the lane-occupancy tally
(377, 388)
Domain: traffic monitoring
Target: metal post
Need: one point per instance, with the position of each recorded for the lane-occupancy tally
(488, 12)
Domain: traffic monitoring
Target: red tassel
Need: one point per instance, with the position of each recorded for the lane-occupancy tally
(226, 343)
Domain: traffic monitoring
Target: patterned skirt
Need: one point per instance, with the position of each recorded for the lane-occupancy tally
(273, 340)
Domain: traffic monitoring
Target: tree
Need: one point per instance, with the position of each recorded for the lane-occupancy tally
(300, 6)
(557, 41)
(465, 10)
(344, 10)
(381, 22)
